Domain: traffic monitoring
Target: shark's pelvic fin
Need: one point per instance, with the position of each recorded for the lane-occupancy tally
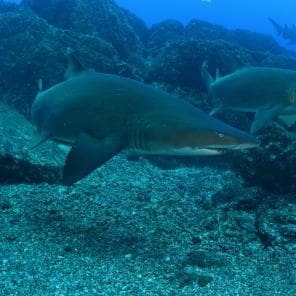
(74, 66)
(265, 115)
(87, 154)
(206, 76)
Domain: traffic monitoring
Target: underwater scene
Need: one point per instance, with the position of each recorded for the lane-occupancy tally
(147, 148)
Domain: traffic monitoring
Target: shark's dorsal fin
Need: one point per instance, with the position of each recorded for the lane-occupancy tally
(74, 66)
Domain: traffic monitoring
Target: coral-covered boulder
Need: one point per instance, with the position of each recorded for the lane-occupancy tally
(32, 49)
(272, 165)
(250, 40)
(178, 62)
(102, 18)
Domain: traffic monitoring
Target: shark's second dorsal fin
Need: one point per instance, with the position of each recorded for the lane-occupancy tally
(74, 66)
(40, 85)
(218, 75)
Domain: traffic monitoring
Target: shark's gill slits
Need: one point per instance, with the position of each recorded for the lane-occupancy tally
(136, 137)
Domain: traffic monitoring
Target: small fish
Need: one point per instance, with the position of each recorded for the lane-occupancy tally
(269, 92)
(99, 115)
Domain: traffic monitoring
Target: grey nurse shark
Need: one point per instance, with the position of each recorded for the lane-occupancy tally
(99, 115)
(269, 92)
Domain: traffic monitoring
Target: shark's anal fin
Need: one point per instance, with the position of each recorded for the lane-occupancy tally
(265, 115)
(87, 154)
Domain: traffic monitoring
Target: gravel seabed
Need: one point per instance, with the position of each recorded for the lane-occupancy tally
(128, 229)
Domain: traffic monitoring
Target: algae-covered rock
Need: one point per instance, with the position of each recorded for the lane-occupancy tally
(272, 165)
(37, 50)
(164, 33)
(177, 52)
(102, 18)
(250, 40)
(18, 162)
(7, 6)
(179, 62)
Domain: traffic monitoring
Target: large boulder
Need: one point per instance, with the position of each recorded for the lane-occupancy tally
(271, 166)
(250, 40)
(31, 49)
(178, 61)
(102, 18)
(19, 163)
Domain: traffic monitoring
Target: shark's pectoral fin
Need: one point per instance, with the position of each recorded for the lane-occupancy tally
(87, 154)
(265, 115)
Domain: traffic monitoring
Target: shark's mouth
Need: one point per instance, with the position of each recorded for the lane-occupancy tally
(198, 151)
(186, 151)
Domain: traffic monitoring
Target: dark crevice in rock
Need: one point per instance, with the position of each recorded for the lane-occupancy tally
(18, 171)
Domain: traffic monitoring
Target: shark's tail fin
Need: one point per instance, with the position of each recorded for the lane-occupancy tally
(277, 26)
(206, 76)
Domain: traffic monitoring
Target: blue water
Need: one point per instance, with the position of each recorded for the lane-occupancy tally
(244, 14)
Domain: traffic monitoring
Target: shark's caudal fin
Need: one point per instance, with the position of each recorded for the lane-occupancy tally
(277, 26)
(206, 76)
(74, 66)
(87, 154)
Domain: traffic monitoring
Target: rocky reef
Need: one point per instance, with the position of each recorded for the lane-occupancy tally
(100, 18)
(159, 226)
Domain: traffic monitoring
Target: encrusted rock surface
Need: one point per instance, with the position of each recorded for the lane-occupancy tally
(102, 18)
